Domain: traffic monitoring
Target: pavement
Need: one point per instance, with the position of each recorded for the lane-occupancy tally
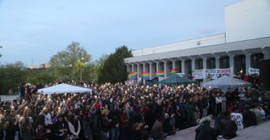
(259, 132)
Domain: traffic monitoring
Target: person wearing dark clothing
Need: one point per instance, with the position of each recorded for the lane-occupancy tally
(40, 129)
(97, 126)
(87, 126)
(9, 131)
(205, 132)
(114, 116)
(228, 127)
(217, 123)
(254, 95)
(27, 130)
(105, 124)
(60, 128)
(249, 118)
(157, 110)
(124, 126)
(156, 131)
(168, 125)
(212, 104)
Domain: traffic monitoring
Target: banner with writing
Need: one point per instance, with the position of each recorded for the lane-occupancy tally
(216, 73)
(253, 70)
(198, 74)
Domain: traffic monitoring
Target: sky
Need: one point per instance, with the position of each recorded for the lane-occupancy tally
(32, 31)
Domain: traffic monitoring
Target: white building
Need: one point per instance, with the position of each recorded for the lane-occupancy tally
(245, 41)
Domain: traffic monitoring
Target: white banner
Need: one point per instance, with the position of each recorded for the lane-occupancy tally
(216, 73)
(253, 70)
(198, 74)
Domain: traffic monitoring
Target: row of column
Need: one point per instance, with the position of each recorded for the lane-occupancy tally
(136, 67)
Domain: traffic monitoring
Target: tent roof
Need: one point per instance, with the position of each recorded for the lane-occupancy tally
(175, 79)
(63, 88)
(225, 82)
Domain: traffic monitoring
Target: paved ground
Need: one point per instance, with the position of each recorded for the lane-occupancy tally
(9, 98)
(259, 132)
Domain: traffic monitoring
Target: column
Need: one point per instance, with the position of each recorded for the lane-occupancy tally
(151, 71)
(232, 62)
(247, 61)
(173, 64)
(192, 64)
(139, 73)
(157, 66)
(132, 67)
(217, 61)
(182, 65)
(166, 68)
(128, 68)
(144, 70)
(266, 54)
(204, 62)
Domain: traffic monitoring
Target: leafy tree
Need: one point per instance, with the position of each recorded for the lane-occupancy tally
(42, 77)
(68, 64)
(12, 75)
(114, 69)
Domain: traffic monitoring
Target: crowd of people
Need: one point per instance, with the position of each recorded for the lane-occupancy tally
(129, 112)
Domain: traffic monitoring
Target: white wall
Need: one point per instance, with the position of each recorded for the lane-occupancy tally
(247, 19)
(188, 44)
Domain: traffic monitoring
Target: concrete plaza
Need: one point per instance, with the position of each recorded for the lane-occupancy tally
(259, 132)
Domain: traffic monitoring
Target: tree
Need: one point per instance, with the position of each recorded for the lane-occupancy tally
(68, 64)
(114, 68)
(12, 75)
(42, 77)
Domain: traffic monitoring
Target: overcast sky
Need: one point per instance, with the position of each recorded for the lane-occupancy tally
(32, 31)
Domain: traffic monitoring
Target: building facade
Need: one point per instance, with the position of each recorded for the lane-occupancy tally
(246, 40)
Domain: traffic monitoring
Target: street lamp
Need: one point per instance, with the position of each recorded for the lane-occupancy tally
(81, 68)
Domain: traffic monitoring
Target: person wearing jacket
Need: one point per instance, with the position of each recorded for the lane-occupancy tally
(228, 127)
(157, 130)
(60, 128)
(123, 125)
(87, 126)
(114, 116)
(27, 130)
(74, 126)
(205, 132)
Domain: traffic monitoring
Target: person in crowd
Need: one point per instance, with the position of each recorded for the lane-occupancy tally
(87, 126)
(227, 126)
(60, 128)
(259, 112)
(105, 124)
(204, 131)
(27, 129)
(168, 126)
(218, 104)
(249, 117)
(217, 123)
(115, 123)
(74, 126)
(157, 129)
(118, 111)
(124, 124)
(237, 118)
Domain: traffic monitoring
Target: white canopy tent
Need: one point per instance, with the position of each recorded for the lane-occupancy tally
(225, 82)
(64, 88)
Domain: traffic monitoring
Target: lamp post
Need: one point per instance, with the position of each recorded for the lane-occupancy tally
(71, 75)
(81, 69)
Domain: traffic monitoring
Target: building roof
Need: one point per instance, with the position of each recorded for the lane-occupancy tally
(252, 45)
